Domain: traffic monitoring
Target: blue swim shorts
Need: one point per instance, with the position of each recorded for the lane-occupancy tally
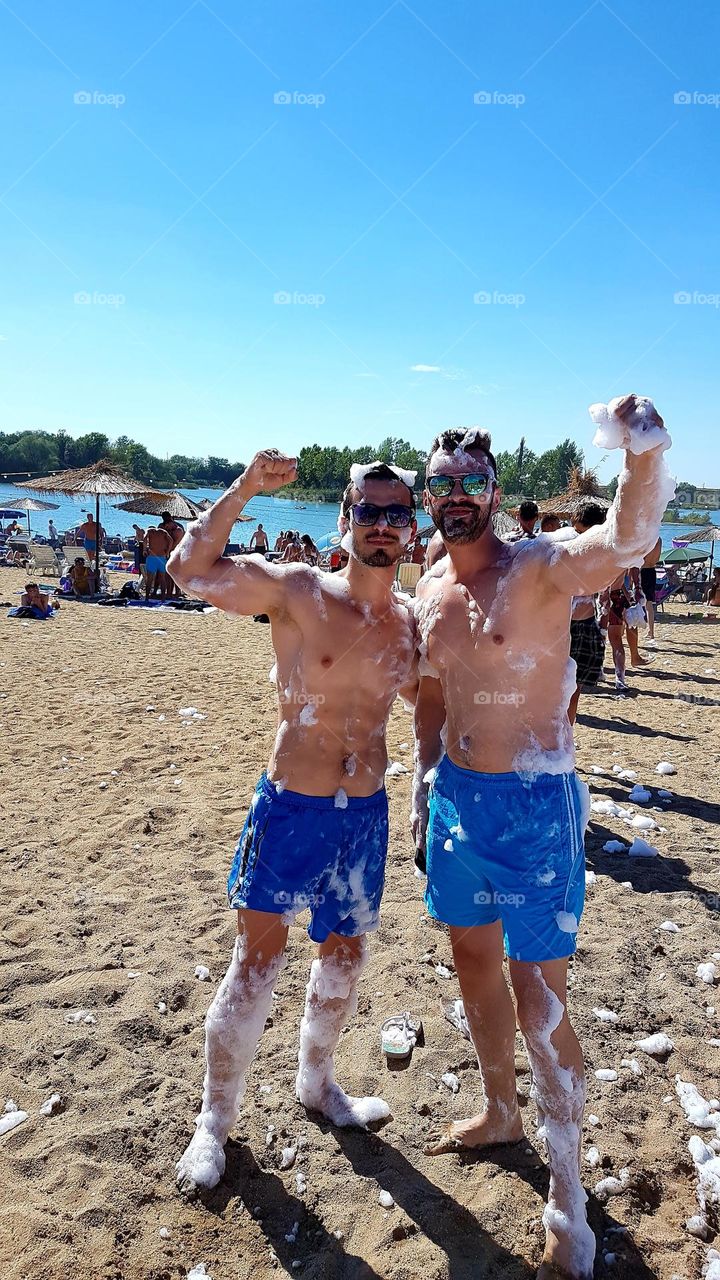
(500, 848)
(90, 545)
(300, 851)
(155, 564)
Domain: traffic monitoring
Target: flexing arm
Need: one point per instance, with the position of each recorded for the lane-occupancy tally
(429, 722)
(587, 564)
(248, 586)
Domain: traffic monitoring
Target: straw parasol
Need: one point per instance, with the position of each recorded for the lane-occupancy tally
(30, 504)
(153, 503)
(583, 487)
(101, 480)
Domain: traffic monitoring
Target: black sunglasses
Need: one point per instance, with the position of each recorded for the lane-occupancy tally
(473, 486)
(368, 513)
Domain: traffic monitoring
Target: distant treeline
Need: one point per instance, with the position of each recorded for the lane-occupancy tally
(322, 469)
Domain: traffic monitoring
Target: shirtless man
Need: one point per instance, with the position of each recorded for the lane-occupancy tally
(259, 540)
(158, 545)
(623, 592)
(177, 533)
(504, 840)
(316, 832)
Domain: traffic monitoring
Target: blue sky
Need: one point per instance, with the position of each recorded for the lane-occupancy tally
(379, 202)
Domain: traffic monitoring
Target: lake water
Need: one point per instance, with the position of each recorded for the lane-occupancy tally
(317, 518)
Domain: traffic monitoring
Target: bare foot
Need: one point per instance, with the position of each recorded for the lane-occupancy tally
(340, 1108)
(202, 1164)
(478, 1131)
(569, 1249)
(639, 662)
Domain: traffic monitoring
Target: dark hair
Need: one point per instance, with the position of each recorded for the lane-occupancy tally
(469, 438)
(590, 515)
(165, 515)
(29, 586)
(528, 510)
(549, 516)
(381, 471)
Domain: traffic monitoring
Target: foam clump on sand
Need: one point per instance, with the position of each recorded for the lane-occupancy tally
(607, 1187)
(51, 1106)
(386, 1200)
(665, 767)
(636, 432)
(81, 1015)
(641, 849)
(656, 1045)
(451, 1081)
(202, 973)
(605, 1015)
(199, 1273)
(700, 1113)
(614, 846)
(669, 926)
(606, 1074)
(11, 1117)
(707, 973)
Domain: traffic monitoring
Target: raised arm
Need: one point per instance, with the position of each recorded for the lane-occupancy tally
(246, 586)
(645, 487)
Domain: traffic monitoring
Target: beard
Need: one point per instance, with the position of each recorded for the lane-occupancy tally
(459, 531)
(378, 557)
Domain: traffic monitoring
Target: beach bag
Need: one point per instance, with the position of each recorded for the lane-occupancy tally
(635, 616)
(129, 591)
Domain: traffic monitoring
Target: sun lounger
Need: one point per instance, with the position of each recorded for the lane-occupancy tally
(43, 561)
(408, 576)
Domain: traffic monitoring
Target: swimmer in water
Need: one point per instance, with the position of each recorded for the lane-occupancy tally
(316, 832)
(504, 820)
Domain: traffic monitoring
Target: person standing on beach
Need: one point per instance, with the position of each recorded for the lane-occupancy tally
(176, 533)
(316, 832)
(88, 534)
(52, 534)
(504, 820)
(587, 642)
(648, 583)
(158, 545)
(259, 540)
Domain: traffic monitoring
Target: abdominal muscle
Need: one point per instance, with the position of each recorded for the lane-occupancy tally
(336, 752)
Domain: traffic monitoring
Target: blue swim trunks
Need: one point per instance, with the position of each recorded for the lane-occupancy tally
(500, 848)
(90, 545)
(156, 564)
(300, 851)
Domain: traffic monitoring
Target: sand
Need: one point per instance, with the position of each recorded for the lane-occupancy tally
(117, 832)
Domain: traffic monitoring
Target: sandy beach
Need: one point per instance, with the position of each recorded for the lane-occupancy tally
(118, 825)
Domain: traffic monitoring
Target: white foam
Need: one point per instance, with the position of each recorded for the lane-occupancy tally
(341, 800)
(669, 926)
(202, 973)
(656, 1045)
(606, 1074)
(698, 1110)
(359, 470)
(605, 1015)
(614, 846)
(386, 1200)
(665, 767)
(636, 432)
(640, 849)
(450, 1081)
(707, 973)
(11, 1119)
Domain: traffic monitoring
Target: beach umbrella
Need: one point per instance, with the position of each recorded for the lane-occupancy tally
(25, 506)
(583, 487)
(709, 533)
(683, 555)
(101, 480)
(152, 503)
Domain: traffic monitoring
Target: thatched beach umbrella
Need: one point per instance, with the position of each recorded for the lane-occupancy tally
(583, 487)
(30, 504)
(102, 480)
(153, 503)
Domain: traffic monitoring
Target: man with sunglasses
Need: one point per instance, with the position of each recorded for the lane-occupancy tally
(316, 832)
(504, 823)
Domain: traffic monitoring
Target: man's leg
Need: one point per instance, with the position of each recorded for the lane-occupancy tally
(330, 1003)
(615, 636)
(478, 957)
(633, 641)
(149, 584)
(559, 1090)
(650, 610)
(573, 705)
(234, 1024)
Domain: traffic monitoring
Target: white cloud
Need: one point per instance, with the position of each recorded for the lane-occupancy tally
(425, 368)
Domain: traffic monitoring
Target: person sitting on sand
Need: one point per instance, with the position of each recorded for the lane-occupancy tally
(34, 603)
(158, 545)
(316, 833)
(82, 579)
(504, 821)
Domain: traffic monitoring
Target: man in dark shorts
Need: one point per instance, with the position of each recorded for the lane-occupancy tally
(648, 582)
(316, 833)
(587, 643)
(259, 541)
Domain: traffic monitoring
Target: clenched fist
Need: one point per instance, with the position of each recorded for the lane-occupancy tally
(268, 470)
